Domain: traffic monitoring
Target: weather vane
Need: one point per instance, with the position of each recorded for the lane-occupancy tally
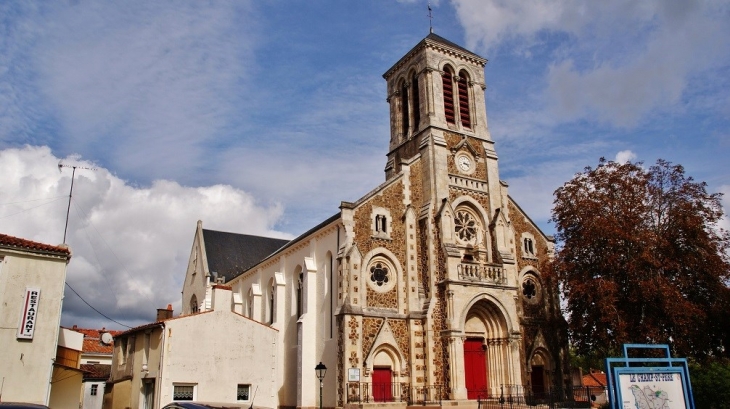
(430, 19)
(73, 173)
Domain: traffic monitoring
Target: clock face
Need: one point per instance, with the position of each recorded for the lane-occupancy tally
(464, 163)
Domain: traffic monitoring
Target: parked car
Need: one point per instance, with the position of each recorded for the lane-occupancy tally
(210, 405)
(21, 405)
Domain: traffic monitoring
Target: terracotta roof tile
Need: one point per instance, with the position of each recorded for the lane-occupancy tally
(23, 244)
(595, 379)
(92, 340)
(96, 371)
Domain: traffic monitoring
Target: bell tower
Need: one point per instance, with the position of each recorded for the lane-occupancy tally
(436, 91)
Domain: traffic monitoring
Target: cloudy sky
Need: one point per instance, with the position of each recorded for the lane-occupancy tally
(261, 117)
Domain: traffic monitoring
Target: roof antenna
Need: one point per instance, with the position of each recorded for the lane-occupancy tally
(430, 19)
(73, 173)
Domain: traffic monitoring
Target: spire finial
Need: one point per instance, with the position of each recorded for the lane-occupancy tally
(430, 19)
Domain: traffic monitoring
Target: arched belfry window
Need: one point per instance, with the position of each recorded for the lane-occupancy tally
(448, 84)
(404, 109)
(463, 85)
(416, 103)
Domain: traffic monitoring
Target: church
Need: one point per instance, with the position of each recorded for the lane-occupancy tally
(430, 288)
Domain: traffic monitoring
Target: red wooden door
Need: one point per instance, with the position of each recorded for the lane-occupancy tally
(382, 384)
(475, 368)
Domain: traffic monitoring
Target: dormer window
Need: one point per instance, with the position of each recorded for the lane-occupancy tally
(529, 247)
(381, 224)
(194, 304)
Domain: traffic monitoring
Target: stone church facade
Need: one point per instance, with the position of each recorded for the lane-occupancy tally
(430, 287)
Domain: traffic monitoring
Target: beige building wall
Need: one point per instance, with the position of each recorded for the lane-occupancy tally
(26, 365)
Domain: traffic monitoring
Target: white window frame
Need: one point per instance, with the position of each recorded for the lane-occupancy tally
(195, 390)
(247, 394)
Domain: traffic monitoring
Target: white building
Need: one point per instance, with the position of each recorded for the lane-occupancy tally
(213, 356)
(32, 278)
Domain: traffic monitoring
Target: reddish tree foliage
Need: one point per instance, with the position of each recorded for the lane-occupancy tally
(642, 260)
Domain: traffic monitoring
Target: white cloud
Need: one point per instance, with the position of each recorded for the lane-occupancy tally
(130, 244)
(625, 156)
(615, 61)
(131, 80)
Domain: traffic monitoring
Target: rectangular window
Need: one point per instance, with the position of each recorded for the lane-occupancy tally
(243, 392)
(183, 392)
(122, 351)
(94, 389)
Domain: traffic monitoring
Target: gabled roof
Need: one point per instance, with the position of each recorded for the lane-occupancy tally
(595, 379)
(229, 254)
(15, 243)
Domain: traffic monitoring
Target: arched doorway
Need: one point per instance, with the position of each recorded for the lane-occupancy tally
(487, 361)
(539, 370)
(382, 377)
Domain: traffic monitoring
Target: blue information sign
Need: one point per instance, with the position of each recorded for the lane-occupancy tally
(649, 383)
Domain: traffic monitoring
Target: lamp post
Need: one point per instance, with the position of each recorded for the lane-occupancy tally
(321, 370)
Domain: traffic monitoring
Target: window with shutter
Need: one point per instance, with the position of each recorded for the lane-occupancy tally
(447, 79)
(464, 100)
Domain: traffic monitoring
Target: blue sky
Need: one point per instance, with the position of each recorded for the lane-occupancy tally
(260, 117)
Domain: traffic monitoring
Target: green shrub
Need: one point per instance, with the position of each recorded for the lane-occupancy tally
(710, 385)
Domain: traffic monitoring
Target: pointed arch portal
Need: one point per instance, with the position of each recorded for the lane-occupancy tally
(487, 361)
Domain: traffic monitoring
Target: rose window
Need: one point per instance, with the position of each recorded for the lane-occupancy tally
(465, 226)
(379, 274)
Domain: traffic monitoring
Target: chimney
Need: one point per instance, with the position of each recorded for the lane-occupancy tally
(222, 297)
(164, 313)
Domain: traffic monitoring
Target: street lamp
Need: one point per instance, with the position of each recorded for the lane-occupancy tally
(321, 370)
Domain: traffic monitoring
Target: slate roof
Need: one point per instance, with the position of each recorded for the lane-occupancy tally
(439, 39)
(432, 38)
(230, 254)
(96, 371)
(15, 243)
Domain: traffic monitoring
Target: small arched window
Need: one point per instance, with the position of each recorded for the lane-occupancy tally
(194, 304)
(464, 99)
(448, 84)
(300, 299)
(272, 304)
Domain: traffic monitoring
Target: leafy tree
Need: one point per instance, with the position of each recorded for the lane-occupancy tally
(642, 260)
(711, 384)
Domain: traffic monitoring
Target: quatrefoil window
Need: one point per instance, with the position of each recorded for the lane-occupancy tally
(529, 289)
(465, 226)
(379, 274)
